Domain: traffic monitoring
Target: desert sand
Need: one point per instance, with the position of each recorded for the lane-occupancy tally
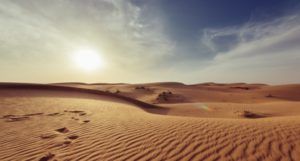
(155, 121)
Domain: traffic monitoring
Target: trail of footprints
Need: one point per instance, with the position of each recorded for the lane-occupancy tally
(57, 132)
(63, 131)
(15, 118)
(178, 140)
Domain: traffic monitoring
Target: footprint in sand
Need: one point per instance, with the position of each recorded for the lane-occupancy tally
(62, 130)
(75, 111)
(7, 116)
(14, 118)
(54, 114)
(34, 114)
(48, 136)
(67, 142)
(47, 157)
(86, 121)
(62, 144)
(73, 137)
(80, 113)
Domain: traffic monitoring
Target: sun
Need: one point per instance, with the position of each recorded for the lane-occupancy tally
(88, 59)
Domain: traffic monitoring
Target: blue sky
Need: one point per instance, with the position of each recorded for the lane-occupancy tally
(189, 41)
(184, 18)
(187, 20)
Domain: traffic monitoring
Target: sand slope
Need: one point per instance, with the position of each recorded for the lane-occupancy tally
(68, 124)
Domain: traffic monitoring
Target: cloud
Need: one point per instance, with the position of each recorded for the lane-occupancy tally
(265, 51)
(43, 33)
(46, 27)
(278, 36)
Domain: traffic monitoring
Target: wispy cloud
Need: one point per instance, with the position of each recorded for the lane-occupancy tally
(266, 51)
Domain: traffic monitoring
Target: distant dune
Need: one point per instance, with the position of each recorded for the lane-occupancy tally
(155, 121)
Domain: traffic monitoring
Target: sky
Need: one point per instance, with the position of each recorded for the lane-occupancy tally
(138, 41)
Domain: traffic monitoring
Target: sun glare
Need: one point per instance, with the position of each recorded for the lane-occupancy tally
(88, 59)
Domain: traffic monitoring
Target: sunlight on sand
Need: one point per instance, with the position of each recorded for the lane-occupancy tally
(203, 106)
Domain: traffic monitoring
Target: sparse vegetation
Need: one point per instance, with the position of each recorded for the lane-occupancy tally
(142, 88)
(249, 114)
(243, 88)
(164, 95)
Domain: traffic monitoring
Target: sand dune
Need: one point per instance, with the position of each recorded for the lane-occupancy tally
(225, 122)
(206, 92)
